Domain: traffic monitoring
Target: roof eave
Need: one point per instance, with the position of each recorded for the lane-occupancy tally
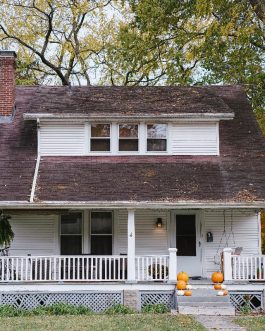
(132, 205)
(121, 117)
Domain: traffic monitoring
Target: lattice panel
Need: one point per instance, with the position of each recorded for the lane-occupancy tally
(247, 300)
(155, 297)
(95, 300)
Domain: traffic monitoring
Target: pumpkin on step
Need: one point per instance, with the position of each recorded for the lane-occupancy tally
(181, 285)
(218, 287)
(217, 277)
(188, 287)
(180, 292)
(188, 293)
(225, 292)
(183, 276)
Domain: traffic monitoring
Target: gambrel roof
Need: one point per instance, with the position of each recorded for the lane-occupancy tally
(236, 176)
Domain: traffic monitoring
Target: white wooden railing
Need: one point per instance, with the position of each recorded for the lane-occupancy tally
(151, 267)
(63, 268)
(243, 267)
(86, 268)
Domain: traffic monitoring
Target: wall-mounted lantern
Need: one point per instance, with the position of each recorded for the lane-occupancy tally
(159, 222)
(209, 237)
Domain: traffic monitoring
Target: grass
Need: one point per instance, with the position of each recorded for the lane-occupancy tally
(252, 323)
(134, 322)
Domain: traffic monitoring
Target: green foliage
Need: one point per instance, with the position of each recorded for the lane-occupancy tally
(6, 232)
(159, 308)
(119, 309)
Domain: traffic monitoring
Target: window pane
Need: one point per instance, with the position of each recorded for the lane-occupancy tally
(100, 130)
(100, 145)
(156, 131)
(101, 223)
(156, 145)
(101, 245)
(128, 145)
(128, 131)
(186, 235)
(71, 245)
(71, 223)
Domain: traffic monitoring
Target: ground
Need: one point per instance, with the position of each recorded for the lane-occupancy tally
(144, 322)
(252, 323)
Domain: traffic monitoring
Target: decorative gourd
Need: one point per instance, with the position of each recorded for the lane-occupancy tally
(225, 292)
(218, 287)
(183, 276)
(181, 285)
(223, 287)
(220, 293)
(180, 292)
(217, 277)
(188, 293)
(188, 287)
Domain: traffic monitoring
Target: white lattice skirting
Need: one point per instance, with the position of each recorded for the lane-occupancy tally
(247, 300)
(94, 300)
(155, 297)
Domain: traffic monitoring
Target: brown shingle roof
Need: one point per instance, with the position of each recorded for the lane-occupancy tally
(237, 175)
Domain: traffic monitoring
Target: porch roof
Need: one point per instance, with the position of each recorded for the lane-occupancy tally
(235, 177)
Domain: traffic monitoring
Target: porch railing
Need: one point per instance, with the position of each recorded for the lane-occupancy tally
(63, 268)
(243, 267)
(151, 267)
(86, 268)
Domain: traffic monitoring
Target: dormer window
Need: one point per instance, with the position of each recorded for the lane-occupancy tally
(128, 138)
(100, 138)
(156, 137)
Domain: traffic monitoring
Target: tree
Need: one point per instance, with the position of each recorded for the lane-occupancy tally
(59, 40)
(193, 42)
(6, 232)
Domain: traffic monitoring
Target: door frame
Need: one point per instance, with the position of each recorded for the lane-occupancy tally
(199, 233)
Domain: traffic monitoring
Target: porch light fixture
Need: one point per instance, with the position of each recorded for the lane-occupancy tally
(159, 222)
(209, 237)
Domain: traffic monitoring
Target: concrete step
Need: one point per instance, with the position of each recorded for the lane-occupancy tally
(203, 299)
(204, 304)
(213, 311)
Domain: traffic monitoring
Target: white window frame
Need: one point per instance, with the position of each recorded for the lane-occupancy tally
(132, 138)
(100, 138)
(69, 234)
(146, 139)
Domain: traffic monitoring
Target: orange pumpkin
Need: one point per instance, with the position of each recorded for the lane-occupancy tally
(217, 286)
(225, 292)
(188, 293)
(181, 285)
(217, 277)
(183, 276)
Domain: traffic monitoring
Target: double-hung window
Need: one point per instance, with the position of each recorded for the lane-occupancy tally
(71, 234)
(100, 138)
(156, 137)
(128, 138)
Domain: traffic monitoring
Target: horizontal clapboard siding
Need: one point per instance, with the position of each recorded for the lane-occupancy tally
(149, 240)
(244, 225)
(194, 138)
(61, 139)
(35, 235)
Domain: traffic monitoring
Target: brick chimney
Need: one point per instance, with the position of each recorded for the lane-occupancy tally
(7, 82)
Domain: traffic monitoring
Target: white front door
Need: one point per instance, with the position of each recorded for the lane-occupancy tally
(188, 244)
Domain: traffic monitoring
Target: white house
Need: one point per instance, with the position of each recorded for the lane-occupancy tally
(119, 188)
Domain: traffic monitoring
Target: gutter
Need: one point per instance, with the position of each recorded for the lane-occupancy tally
(34, 182)
(129, 205)
(121, 117)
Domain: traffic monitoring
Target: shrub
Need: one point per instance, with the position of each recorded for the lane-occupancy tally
(10, 311)
(159, 308)
(118, 309)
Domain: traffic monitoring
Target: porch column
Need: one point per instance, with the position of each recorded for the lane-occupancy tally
(131, 247)
(227, 252)
(172, 265)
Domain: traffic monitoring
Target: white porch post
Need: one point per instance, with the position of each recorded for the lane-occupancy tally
(172, 269)
(131, 247)
(227, 252)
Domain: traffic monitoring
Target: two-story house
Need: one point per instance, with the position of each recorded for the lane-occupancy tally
(116, 189)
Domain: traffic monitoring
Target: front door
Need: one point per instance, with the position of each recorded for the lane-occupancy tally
(188, 245)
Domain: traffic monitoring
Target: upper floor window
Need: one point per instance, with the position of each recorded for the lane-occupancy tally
(100, 138)
(156, 137)
(128, 137)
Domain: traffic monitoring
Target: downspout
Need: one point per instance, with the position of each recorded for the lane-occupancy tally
(33, 188)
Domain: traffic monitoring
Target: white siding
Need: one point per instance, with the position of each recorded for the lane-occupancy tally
(194, 138)
(61, 138)
(34, 234)
(149, 239)
(245, 226)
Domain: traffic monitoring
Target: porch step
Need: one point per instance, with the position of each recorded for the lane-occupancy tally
(205, 302)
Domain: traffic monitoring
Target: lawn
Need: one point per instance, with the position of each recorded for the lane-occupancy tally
(137, 322)
(252, 323)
